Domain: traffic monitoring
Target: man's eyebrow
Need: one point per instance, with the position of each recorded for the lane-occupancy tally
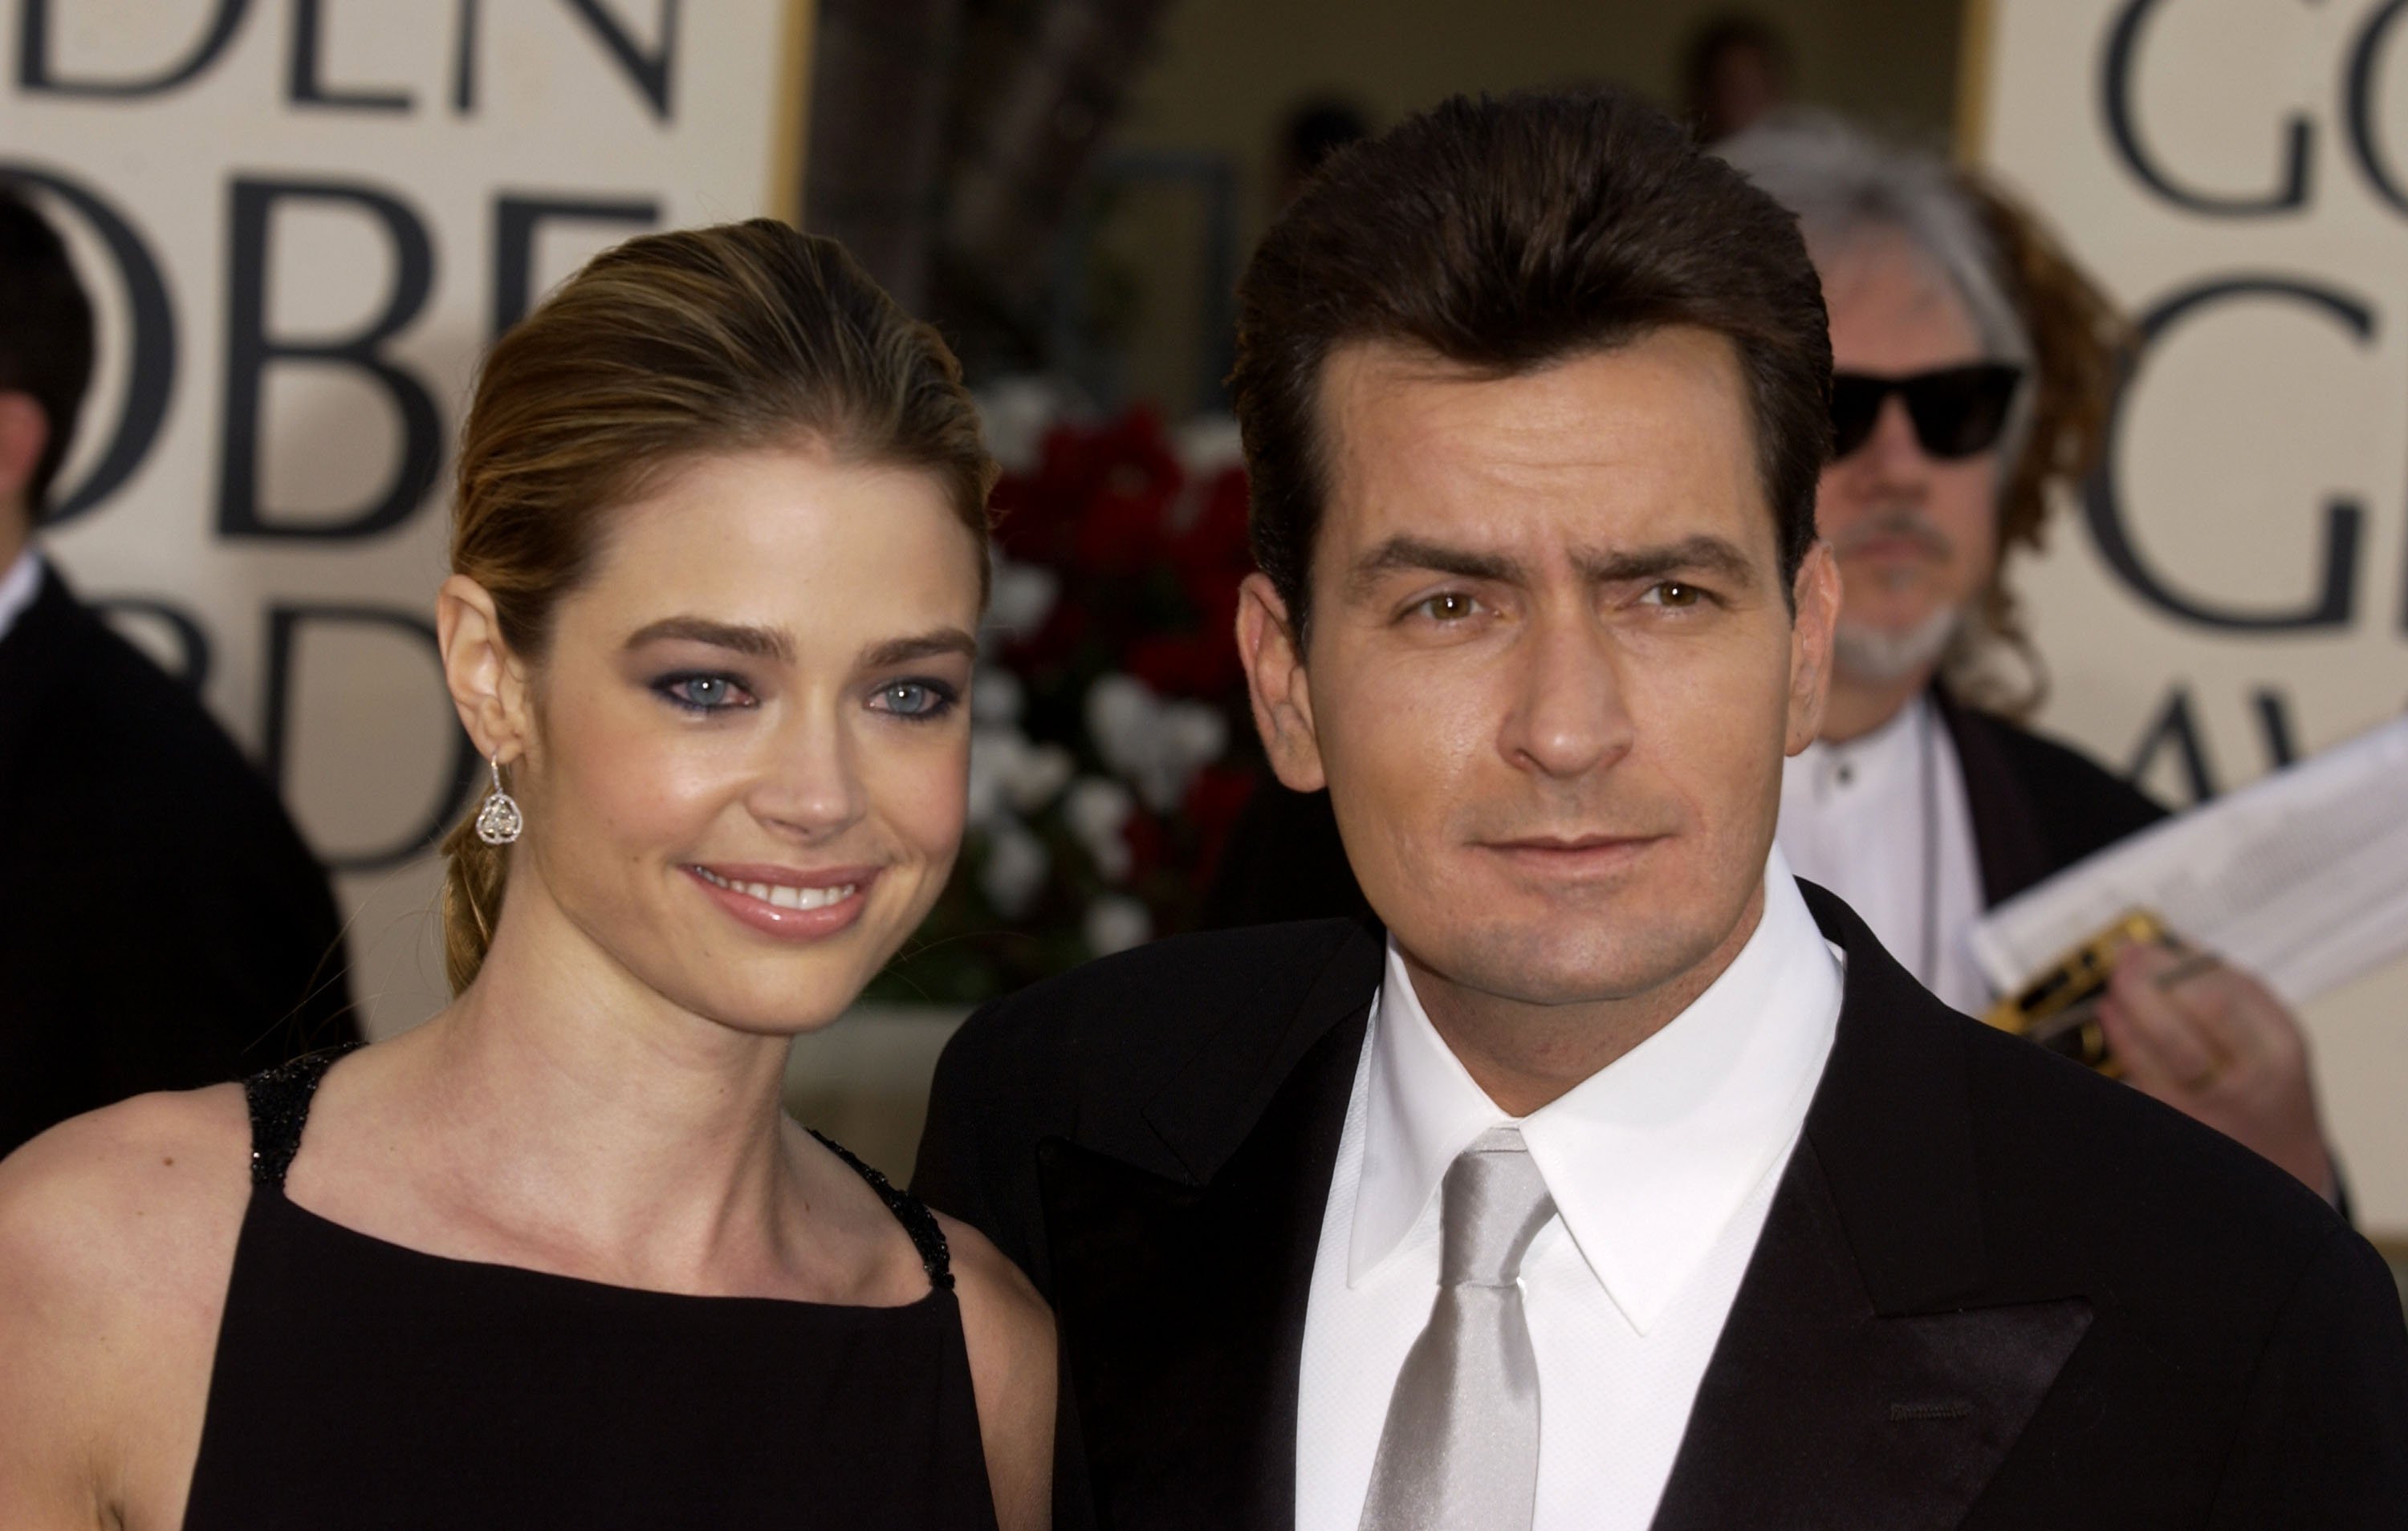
(744, 638)
(1703, 553)
(943, 640)
(1411, 554)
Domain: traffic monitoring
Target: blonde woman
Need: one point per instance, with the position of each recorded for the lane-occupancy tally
(556, 1257)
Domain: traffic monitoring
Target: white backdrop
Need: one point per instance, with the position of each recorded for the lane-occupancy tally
(2234, 590)
(302, 219)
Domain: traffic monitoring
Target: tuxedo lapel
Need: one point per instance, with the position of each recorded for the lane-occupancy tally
(1182, 1307)
(1867, 1376)
(2006, 832)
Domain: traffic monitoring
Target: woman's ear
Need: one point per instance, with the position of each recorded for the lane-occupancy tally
(486, 682)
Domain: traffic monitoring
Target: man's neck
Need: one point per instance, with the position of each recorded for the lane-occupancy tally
(1524, 1055)
(1856, 707)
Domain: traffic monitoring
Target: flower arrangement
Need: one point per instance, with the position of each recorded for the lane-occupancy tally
(1111, 748)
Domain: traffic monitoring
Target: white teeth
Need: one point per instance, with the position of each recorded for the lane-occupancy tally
(781, 896)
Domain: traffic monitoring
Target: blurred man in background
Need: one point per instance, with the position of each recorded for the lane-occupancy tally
(1974, 366)
(162, 925)
(1736, 70)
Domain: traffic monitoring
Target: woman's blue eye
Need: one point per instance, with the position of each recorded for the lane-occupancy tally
(702, 693)
(914, 698)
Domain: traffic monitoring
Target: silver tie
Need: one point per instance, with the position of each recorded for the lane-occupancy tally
(1460, 1449)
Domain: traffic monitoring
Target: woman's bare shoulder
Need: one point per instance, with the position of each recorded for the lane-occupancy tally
(1010, 1332)
(117, 1234)
(113, 1203)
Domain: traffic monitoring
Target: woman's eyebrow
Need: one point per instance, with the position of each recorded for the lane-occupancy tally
(943, 640)
(744, 638)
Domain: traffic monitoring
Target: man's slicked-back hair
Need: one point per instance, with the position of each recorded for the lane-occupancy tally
(1502, 235)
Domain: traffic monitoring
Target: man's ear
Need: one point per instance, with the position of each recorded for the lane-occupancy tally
(1817, 594)
(486, 682)
(1277, 685)
(24, 431)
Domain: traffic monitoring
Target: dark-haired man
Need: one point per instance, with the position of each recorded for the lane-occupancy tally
(161, 926)
(1619, 1180)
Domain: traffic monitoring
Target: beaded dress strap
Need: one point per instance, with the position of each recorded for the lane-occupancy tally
(280, 1107)
(909, 1210)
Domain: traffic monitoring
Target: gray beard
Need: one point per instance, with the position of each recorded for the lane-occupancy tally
(1872, 657)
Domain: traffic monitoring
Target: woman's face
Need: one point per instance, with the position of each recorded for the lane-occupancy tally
(745, 785)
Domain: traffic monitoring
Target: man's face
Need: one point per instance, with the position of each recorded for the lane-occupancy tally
(1916, 537)
(1551, 673)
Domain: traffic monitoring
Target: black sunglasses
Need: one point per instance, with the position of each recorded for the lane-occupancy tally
(1957, 410)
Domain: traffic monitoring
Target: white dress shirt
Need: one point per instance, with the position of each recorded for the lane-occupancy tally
(1662, 1166)
(18, 588)
(1882, 822)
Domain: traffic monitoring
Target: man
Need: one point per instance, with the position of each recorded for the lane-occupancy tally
(1624, 1182)
(1920, 806)
(161, 924)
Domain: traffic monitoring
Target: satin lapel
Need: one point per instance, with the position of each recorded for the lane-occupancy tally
(2006, 833)
(1182, 1307)
(1868, 1375)
(1819, 1411)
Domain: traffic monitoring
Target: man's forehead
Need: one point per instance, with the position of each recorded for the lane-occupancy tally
(1661, 424)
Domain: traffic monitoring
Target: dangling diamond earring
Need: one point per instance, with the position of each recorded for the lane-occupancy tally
(498, 822)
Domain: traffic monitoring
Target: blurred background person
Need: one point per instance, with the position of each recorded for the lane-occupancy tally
(162, 925)
(719, 553)
(1974, 367)
(1313, 129)
(1738, 69)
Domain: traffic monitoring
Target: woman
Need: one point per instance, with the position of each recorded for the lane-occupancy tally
(556, 1257)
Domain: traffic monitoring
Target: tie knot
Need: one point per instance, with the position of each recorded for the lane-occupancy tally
(1494, 1202)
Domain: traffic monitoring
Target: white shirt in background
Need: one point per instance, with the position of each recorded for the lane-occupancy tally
(1662, 1166)
(1854, 819)
(18, 588)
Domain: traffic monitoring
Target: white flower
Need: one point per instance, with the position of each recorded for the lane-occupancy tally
(996, 697)
(1115, 922)
(1015, 868)
(1007, 771)
(1021, 596)
(1158, 746)
(1096, 810)
(1014, 416)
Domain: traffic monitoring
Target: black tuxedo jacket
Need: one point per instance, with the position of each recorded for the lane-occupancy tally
(1993, 1289)
(161, 926)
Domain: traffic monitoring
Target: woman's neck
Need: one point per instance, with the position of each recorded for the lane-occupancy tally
(601, 1115)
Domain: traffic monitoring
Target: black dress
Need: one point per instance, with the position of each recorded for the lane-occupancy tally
(359, 1383)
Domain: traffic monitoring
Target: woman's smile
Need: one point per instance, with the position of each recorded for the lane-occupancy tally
(788, 903)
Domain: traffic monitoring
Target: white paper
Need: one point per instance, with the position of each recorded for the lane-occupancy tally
(2301, 878)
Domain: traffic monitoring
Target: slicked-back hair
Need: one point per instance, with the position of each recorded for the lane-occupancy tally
(1501, 236)
(46, 334)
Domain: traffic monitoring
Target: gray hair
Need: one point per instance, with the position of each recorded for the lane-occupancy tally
(1845, 184)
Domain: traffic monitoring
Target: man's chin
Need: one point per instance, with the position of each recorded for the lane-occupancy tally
(1885, 654)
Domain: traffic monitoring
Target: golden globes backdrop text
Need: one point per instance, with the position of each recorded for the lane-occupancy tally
(301, 221)
(2231, 590)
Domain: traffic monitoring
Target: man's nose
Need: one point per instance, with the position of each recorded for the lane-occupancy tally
(810, 783)
(1567, 716)
(1894, 454)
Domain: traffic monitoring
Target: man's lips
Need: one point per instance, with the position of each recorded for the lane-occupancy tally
(1572, 854)
(796, 903)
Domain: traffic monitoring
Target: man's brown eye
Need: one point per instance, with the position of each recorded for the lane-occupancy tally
(1452, 607)
(1673, 593)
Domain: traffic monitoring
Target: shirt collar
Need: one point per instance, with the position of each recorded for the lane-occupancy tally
(1870, 766)
(18, 586)
(1648, 1159)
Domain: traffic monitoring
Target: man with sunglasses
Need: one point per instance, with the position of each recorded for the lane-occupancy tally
(1922, 805)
